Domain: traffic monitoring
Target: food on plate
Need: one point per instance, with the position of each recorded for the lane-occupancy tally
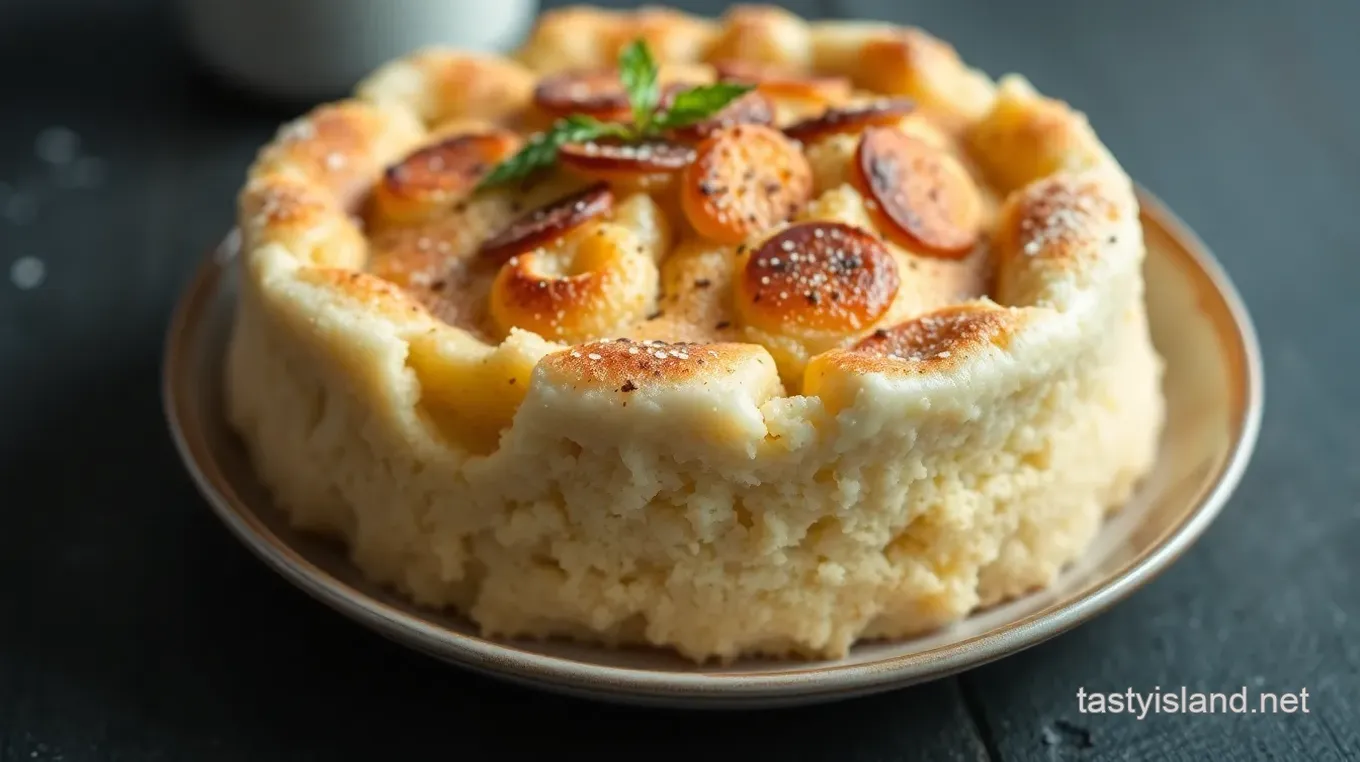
(738, 336)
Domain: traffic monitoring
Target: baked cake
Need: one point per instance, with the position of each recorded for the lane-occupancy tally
(741, 336)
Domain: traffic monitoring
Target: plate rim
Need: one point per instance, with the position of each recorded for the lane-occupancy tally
(816, 682)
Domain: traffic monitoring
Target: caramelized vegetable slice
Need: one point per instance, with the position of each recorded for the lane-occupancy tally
(821, 276)
(921, 196)
(850, 119)
(744, 179)
(594, 93)
(751, 108)
(549, 223)
(441, 174)
(609, 157)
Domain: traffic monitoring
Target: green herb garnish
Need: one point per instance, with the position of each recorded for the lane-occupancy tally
(638, 71)
(697, 104)
(638, 74)
(541, 151)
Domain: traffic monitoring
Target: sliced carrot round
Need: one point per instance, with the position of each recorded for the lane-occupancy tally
(824, 276)
(744, 179)
(784, 84)
(629, 158)
(851, 119)
(549, 223)
(921, 196)
(751, 108)
(595, 93)
(441, 173)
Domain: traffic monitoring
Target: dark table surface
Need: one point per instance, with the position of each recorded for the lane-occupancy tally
(132, 627)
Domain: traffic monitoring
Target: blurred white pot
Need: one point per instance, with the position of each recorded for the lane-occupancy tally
(313, 49)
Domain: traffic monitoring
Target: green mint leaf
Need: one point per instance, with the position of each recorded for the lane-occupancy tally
(699, 103)
(638, 71)
(541, 150)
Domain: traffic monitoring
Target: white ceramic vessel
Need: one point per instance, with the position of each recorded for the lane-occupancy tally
(318, 49)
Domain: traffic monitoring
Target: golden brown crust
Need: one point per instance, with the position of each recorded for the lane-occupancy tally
(305, 186)
(569, 38)
(671, 35)
(585, 37)
(533, 298)
(817, 276)
(1056, 219)
(434, 270)
(278, 207)
(411, 259)
(916, 64)
(439, 85)
(1053, 236)
(1024, 137)
(599, 279)
(292, 212)
(764, 34)
(742, 179)
(936, 342)
(628, 366)
(331, 147)
(368, 292)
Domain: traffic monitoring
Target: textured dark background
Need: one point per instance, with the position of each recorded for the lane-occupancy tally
(132, 627)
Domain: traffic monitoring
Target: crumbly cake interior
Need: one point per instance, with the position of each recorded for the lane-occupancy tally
(862, 352)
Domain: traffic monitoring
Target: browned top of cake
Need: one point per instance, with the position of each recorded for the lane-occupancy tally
(796, 186)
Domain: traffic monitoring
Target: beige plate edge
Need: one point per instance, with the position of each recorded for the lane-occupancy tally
(813, 684)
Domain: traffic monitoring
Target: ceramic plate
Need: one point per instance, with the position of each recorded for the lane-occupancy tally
(1213, 385)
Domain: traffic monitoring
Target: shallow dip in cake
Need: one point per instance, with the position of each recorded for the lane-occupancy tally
(738, 336)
